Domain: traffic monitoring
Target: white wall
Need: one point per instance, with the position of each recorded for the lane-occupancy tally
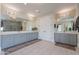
(77, 9)
(45, 27)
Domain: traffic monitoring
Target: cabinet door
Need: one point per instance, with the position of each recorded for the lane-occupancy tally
(65, 38)
(62, 38)
(70, 39)
(17, 39)
(36, 35)
(33, 36)
(57, 37)
(7, 41)
(28, 36)
(0, 41)
(20, 38)
(73, 39)
(23, 37)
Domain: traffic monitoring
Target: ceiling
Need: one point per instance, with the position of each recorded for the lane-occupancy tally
(42, 8)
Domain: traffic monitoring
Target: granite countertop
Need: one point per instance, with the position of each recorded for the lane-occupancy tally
(16, 32)
(72, 32)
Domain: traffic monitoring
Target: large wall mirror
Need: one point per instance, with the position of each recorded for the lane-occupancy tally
(9, 25)
(13, 25)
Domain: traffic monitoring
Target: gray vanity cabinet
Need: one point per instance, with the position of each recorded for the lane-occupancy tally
(57, 37)
(28, 36)
(33, 36)
(73, 39)
(7, 41)
(18, 38)
(0, 42)
(66, 38)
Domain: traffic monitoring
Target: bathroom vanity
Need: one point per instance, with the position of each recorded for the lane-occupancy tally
(8, 39)
(70, 38)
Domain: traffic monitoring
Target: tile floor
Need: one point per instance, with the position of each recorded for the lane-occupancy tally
(44, 48)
